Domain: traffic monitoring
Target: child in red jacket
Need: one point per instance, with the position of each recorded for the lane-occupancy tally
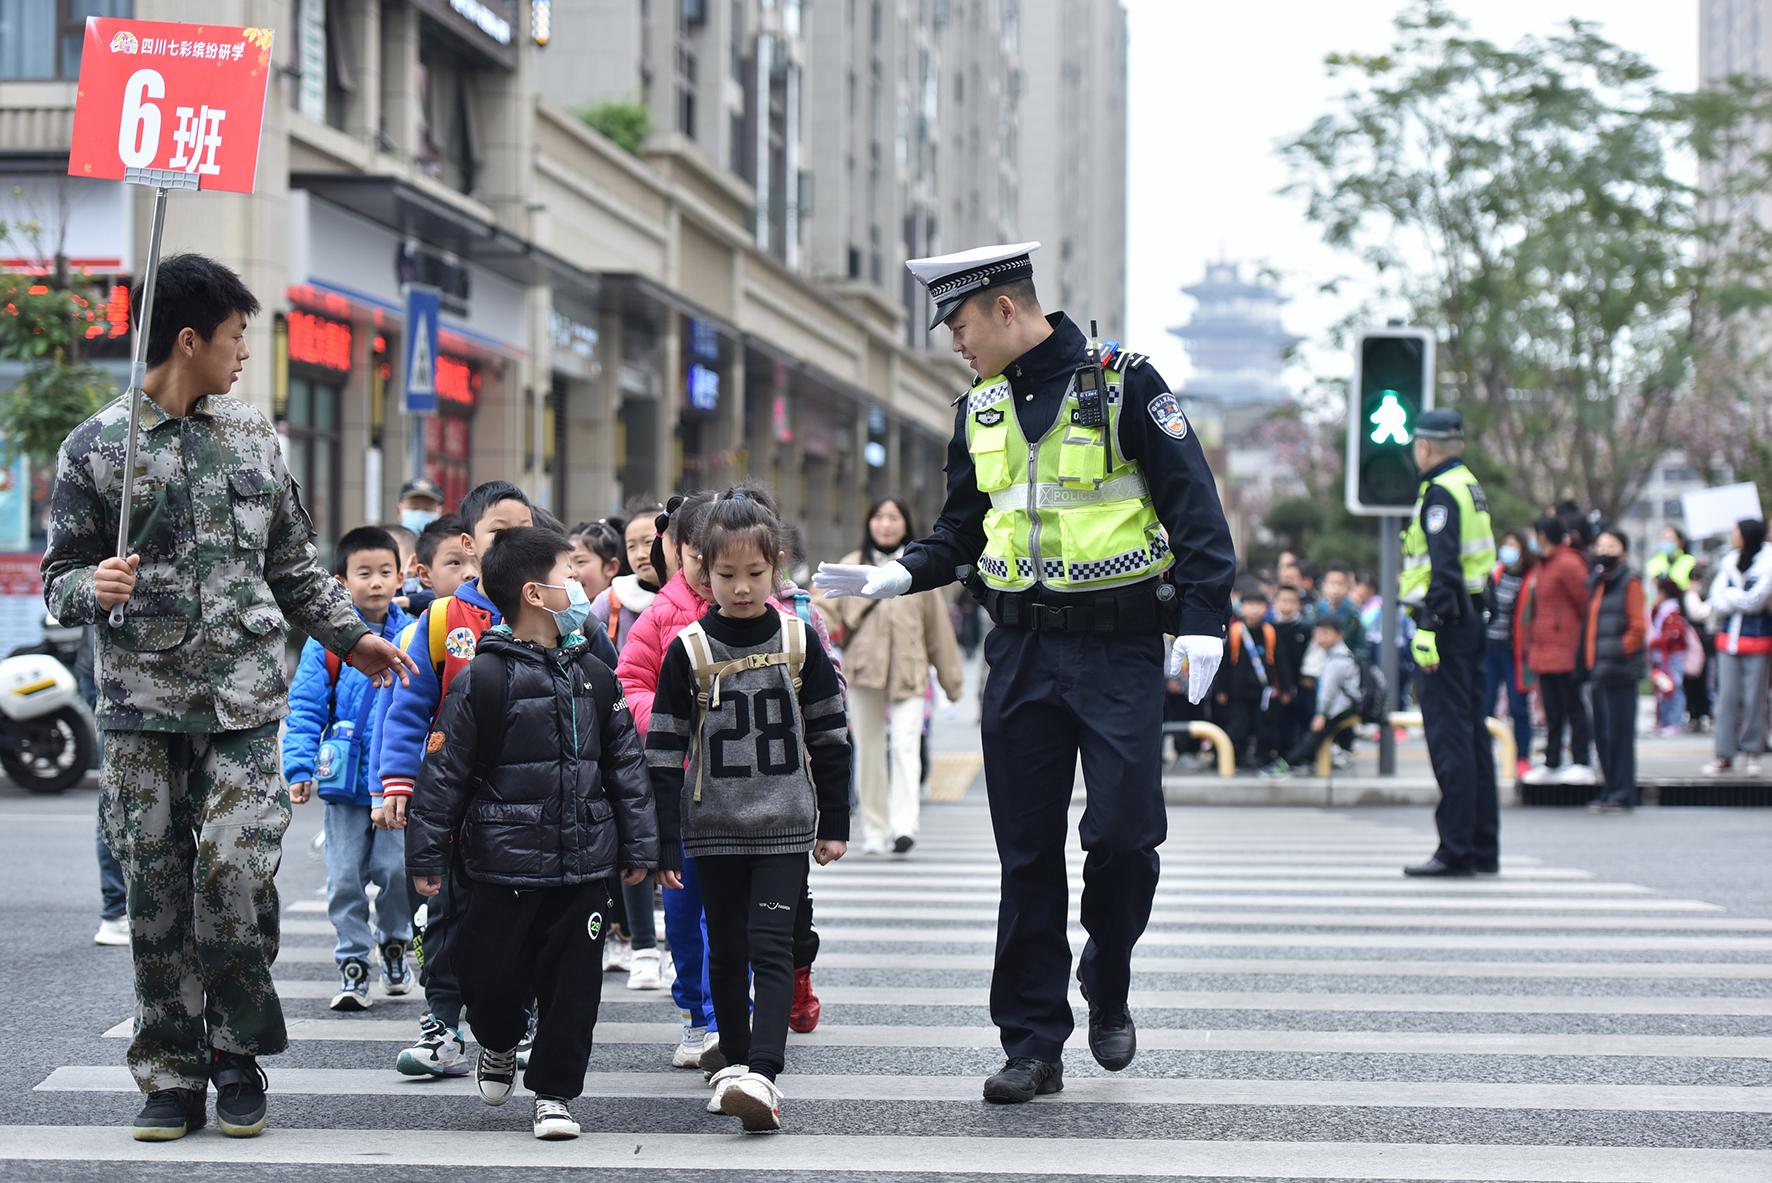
(1671, 639)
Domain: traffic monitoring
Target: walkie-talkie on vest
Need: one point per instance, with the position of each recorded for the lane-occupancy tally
(1092, 400)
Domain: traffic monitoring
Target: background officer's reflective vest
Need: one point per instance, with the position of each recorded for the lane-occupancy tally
(1476, 546)
(1679, 569)
(1061, 514)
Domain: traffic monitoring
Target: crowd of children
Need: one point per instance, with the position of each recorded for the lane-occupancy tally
(1298, 671)
(599, 715)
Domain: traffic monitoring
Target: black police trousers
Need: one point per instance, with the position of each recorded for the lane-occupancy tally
(1453, 715)
(1051, 696)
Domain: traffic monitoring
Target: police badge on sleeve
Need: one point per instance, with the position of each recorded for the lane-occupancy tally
(1435, 519)
(1166, 413)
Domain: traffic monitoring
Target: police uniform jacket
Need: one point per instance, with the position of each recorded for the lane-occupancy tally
(1174, 468)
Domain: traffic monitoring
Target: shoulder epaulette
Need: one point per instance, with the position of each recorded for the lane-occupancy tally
(1128, 362)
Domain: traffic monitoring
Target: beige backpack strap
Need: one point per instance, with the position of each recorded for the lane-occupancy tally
(701, 660)
(796, 655)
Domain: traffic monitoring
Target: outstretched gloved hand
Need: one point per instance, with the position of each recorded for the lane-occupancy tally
(837, 580)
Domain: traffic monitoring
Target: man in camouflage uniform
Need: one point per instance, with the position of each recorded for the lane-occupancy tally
(191, 687)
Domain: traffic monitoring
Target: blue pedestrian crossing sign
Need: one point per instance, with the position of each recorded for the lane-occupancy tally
(419, 372)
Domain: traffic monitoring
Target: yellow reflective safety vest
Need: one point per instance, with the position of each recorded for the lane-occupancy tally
(1071, 512)
(1476, 546)
(1679, 569)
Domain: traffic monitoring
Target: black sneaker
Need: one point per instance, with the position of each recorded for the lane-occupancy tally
(495, 1073)
(396, 979)
(240, 1086)
(1023, 1079)
(902, 844)
(170, 1114)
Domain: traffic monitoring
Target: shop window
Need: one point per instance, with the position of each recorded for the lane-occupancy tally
(43, 38)
(311, 427)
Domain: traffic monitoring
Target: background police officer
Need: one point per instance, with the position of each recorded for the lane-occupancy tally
(1448, 553)
(1062, 478)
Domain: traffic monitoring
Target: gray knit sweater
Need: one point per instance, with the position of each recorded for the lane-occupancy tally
(772, 768)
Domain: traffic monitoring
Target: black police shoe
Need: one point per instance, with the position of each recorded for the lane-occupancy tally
(1024, 1078)
(170, 1114)
(240, 1086)
(1113, 1040)
(1435, 869)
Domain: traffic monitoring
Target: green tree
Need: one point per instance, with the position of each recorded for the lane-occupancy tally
(1526, 203)
(628, 124)
(43, 320)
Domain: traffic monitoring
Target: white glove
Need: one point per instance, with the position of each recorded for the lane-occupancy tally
(837, 580)
(1202, 656)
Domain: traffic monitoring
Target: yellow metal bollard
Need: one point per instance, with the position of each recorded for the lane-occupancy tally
(1506, 760)
(1221, 743)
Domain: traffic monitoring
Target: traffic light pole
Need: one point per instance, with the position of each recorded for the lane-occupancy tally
(1390, 570)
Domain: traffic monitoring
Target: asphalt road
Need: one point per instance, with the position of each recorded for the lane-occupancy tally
(1601, 1012)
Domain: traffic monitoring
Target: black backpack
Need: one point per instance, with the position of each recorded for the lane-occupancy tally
(1374, 693)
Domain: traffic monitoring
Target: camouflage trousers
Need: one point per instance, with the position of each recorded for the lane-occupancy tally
(197, 822)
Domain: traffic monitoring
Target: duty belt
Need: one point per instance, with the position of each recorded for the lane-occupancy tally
(1134, 610)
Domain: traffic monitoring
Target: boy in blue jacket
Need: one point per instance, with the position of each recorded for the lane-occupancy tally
(407, 725)
(326, 746)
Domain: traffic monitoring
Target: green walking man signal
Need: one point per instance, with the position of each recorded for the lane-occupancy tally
(1393, 384)
(1390, 421)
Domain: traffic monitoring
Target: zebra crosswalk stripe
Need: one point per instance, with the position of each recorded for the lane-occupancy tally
(1325, 987)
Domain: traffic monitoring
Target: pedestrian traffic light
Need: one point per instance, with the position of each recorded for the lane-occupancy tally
(1393, 384)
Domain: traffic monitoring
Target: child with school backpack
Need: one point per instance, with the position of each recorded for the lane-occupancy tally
(443, 642)
(749, 754)
(326, 748)
(535, 793)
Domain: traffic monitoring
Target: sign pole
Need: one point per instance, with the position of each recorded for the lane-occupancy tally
(138, 372)
(1390, 567)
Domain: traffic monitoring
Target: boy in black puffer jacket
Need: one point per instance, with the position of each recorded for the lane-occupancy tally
(537, 782)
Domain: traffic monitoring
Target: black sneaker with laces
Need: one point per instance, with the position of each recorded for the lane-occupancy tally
(170, 1114)
(240, 1086)
(495, 1073)
(1024, 1078)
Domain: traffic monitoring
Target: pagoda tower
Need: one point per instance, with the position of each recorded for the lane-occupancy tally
(1236, 341)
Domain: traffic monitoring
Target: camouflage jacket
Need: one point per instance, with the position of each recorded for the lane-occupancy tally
(227, 555)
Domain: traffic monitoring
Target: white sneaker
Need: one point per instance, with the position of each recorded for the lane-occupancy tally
(112, 932)
(1577, 774)
(1751, 768)
(616, 953)
(1538, 774)
(755, 1101)
(440, 1051)
(645, 974)
(553, 1120)
(1717, 768)
(688, 1053)
(722, 1080)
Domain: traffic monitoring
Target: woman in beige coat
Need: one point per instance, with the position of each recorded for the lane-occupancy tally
(888, 647)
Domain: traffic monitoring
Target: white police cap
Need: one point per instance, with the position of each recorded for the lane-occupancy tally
(953, 279)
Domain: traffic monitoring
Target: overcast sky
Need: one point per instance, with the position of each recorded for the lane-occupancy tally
(1215, 86)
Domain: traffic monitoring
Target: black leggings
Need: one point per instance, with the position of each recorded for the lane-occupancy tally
(751, 901)
(1562, 704)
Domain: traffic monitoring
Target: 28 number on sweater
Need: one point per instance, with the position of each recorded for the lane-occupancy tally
(772, 733)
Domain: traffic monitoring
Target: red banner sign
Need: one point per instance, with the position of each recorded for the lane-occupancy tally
(175, 97)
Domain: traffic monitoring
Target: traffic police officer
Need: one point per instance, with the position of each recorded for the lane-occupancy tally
(1448, 554)
(1081, 509)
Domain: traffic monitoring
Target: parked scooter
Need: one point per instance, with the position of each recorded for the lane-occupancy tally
(48, 736)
